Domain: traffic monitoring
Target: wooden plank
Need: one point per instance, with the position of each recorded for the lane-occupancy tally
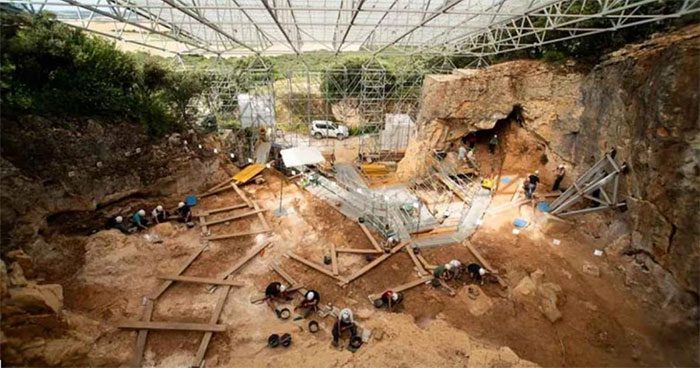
(229, 208)
(402, 287)
(200, 280)
(373, 264)
(358, 251)
(217, 191)
(415, 260)
(314, 265)
(165, 285)
(173, 326)
(478, 256)
(242, 195)
(234, 217)
(245, 259)
(284, 274)
(506, 206)
(371, 238)
(236, 235)
(450, 185)
(220, 185)
(261, 216)
(203, 224)
(143, 335)
(204, 344)
(425, 263)
(334, 260)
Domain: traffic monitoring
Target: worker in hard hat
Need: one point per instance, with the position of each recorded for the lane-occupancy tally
(444, 272)
(391, 299)
(275, 291)
(184, 212)
(117, 222)
(310, 303)
(493, 142)
(476, 272)
(159, 214)
(345, 322)
(462, 153)
(139, 220)
(534, 180)
(559, 176)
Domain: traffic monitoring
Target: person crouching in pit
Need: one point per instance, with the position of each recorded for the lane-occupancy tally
(345, 322)
(275, 291)
(310, 303)
(391, 300)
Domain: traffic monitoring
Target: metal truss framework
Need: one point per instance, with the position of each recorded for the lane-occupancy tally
(599, 185)
(269, 27)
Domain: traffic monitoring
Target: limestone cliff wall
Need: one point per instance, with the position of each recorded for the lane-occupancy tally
(642, 99)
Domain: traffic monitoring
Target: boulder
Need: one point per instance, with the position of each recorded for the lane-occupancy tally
(3, 280)
(19, 256)
(526, 287)
(16, 276)
(164, 230)
(36, 299)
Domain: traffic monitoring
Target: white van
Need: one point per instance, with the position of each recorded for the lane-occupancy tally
(325, 129)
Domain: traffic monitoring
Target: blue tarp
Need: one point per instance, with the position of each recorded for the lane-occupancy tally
(519, 223)
(543, 206)
(191, 200)
(506, 180)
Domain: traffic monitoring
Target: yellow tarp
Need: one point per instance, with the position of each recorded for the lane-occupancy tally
(248, 173)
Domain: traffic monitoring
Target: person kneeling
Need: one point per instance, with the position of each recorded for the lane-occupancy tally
(184, 212)
(391, 300)
(310, 302)
(344, 323)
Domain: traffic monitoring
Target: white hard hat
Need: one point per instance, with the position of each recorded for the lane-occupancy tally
(119, 219)
(537, 172)
(282, 288)
(159, 208)
(495, 135)
(181, 204)
(142, 212)
(310, 295)
(482, 271)
(394, 296)
(345, 315)
(455, 263)
(561, 166)
(448, 266)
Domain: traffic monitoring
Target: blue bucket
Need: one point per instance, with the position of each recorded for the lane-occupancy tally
(191, 200)
(519, 223)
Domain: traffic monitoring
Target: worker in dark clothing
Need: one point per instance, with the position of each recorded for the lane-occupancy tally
(159, 214)
(310, 302)
(273, 291)
(476, 272)
(184, 212)
(559, 172)
(139, 220)
(344, 323)
(391, 299)
(493, 142)
(527, 188)
(443, 272)
(534, 180)
(117, 222)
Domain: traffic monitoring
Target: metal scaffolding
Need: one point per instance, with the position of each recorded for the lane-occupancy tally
(271, 27)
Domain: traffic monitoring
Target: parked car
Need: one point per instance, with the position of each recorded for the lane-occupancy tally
(325, 129)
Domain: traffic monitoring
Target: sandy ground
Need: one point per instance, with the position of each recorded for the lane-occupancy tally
(605, 323)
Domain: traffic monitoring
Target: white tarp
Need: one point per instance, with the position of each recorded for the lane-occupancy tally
(256, 110)
(298, 156)
(398, 130)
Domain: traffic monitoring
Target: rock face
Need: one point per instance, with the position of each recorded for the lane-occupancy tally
(641, 100)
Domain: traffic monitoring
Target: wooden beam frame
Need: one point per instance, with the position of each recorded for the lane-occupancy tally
(204, 344)
(402, 287)
(216, 191)
(200, 280)
(372, 264)
(358, 251)
(314, 266)
(224, 209)
(237, 235)
(419, 266)
(334, 260)
(143, 334)
(173, 326)
(165, 285)
(371, 238)
(231, 218)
